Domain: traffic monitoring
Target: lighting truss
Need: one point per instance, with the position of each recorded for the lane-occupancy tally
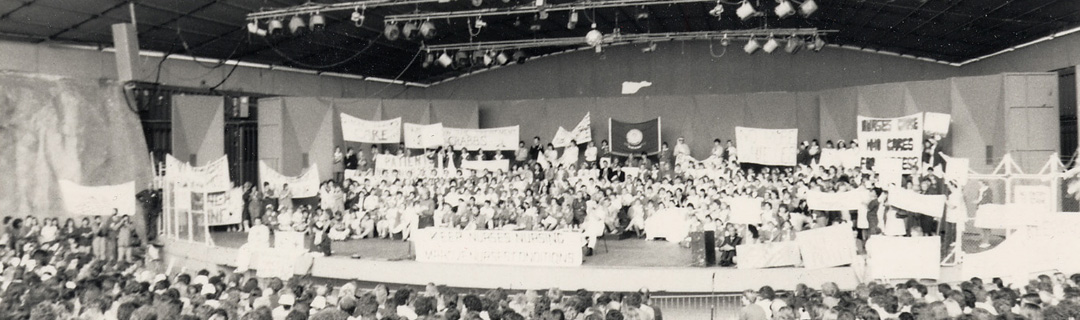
(620, 39)
(532, 8)
(312, 8)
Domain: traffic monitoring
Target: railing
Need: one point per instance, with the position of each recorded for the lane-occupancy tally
(721, 306)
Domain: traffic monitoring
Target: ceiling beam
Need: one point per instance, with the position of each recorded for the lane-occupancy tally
(91, 18)
(23, 5)
(927, 21)
(1033, 10)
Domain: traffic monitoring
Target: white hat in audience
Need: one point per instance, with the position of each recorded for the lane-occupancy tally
(200, 280)
(208, 289)
(287, 299)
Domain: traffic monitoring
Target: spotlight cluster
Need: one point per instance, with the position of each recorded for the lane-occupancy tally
(792, 44)
(783, 9)
(276, 26)
(464, 59)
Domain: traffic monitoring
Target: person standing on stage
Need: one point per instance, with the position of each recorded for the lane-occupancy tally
(339, 165)
(351, 160)
(125, 240)
(536, 150)
(285, 202)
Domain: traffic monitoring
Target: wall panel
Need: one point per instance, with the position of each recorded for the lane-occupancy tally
(839, 111)
(198, 124)
(977, 120)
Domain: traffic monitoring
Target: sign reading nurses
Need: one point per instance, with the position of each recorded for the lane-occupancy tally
(899, 138)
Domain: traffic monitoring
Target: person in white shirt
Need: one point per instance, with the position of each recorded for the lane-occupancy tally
(591, 153)
(570, 154)
(681, 149)
(258, 235)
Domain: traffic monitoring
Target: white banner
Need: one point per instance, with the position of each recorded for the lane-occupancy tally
(826, 247)
(900, 137)
(367, 131)
(768, 255)
(1007, 216)
(385, 162)
(582, 133)
(505, 138)
(498, 247)
(931, 205)
(772, 147)
(836, 201)
(224, 207)
(98, 200)
(305, 185)
(903, 257)
(214, 176)
(847, 158)
(958, 169)
(423, 136)
(489, 165)
(936, 123)
(745, 210)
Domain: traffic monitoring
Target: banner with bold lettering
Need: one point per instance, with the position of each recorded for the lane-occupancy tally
(386, 162)
(504, 138)
(525, 248)
(634, 138)
(305, 185)
(98, 200)
(827, 247)
(582, 133)
(899, 137)
(836, 201)
(847, 158)
(931, 205)
(367, 131)
(745, 210)
(771, 147)
(224, 207)
(213, 176)
(489, 165)
(768, 255)
(903, 257)
(423, 136)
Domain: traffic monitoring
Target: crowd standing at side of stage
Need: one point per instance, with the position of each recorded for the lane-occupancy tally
(595, 192)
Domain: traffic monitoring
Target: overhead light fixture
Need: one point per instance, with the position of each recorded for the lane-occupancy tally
(274, 27)
(253, 27)
(572, 23)
(650, 48)
(391, 32)
(501, 58)
(724, 41)
(409, 30)
(784, 9)
(489, 57)
(480, 23)
(770, 45)
(520, 57)
(717, 10)
(808, 8)
(296, 25)
(793, 45)
(429, 59)
(543, 15)
(818, 43)
(477, 3)
(445, 60)
(461, 59)
(318, 22)
(752, 46)
(358, 17)
(539, 3)
(478, 58)
(594, 37)
(427, 29)
(535, 26)
(644, 15)
(745, 10)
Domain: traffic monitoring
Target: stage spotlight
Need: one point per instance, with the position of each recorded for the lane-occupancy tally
(358, 17)
(274, 27)
(477, 3)
(745, 11)
(445, 60)
(253, 27)
(808, 8)
(427, 29)
(818, 43)
(501, 58)
(429, 59)
(717, 10)
(478, 58)
(793, 45)
(543, 15)
(724, 41)
(392, 32)
(318, 22)
(572, 23)
(409, 30)
(650, 48)
(535, 26)
(480, 23)
(784, 9)
(644, 15)
(520, 57)
(461, 59)
(752, 46)
(594, 37)
(296, 25)
(770, 45)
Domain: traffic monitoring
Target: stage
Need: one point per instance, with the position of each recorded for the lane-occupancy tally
(626, 265)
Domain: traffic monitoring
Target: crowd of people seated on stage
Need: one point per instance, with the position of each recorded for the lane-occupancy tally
(596, 193)
(1046, 297)
(66, 279)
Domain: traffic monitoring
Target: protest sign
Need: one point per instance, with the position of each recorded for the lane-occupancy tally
(305, 185)
(826, 247)
(836, 201)
(899, 137)
(768, 255)
(98, 200)
(771, 147)
(581, 133)
(423, 136)
(904, 257)
(931, 205)
(504, 138)
(847, 158)
(385, 162)
(367, 131)
(745, 210)
(224, 207)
